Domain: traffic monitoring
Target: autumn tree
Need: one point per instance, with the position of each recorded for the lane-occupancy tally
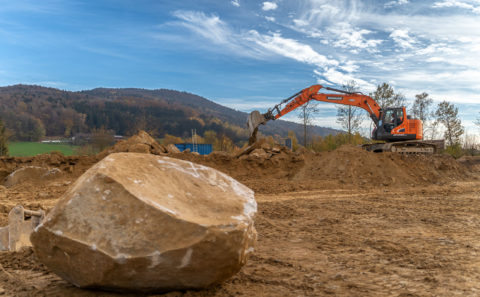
(307, 111)
(209, 136)
(171, 139)
(350, 117)
(386, 96)
(3, 139)
(447, 115)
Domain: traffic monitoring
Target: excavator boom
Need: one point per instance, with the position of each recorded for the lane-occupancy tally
(392, 124)
(255, 119)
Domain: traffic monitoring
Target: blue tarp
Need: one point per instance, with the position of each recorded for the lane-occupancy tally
(202, 149)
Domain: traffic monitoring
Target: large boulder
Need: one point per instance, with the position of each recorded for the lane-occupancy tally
(148, 223)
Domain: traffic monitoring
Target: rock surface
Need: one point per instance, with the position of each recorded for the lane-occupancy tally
(148, 223)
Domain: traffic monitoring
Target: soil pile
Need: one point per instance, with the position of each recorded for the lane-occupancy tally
(351, 165)
(139, 143)
(277, 169)
(69, 164)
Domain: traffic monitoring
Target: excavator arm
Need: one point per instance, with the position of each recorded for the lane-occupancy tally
(256, 119)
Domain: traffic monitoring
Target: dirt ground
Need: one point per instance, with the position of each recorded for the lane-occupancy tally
(352, 228)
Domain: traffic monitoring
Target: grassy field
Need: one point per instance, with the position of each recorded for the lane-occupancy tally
(26, 149)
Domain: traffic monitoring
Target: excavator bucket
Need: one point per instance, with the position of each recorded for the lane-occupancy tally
(21, 223)
(255, 119)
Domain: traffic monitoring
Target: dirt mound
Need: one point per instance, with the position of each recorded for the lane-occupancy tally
(68, 164)
(139, 143)
(277, 169)
(354, 166)
(33, 173)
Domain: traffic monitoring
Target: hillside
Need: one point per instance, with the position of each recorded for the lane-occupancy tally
(32, 112)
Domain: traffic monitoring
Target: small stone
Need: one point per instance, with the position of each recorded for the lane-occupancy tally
(139, 148)
(172, 149)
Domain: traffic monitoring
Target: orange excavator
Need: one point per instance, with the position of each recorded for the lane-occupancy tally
(399, 131)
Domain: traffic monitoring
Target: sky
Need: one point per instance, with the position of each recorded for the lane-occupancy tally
(247, 54)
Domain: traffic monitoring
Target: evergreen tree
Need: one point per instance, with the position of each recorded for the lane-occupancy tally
(447, 115)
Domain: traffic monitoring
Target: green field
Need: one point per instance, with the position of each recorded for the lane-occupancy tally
(27, 149)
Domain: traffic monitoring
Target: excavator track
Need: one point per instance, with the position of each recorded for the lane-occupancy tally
(404, 147)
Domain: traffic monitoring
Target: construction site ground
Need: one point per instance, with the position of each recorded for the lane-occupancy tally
(343, 223)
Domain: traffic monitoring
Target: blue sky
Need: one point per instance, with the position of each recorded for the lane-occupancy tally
(247, 54)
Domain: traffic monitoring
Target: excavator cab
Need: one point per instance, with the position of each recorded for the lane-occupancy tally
(395, 125)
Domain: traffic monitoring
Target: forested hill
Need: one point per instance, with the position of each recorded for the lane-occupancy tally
(32, 112)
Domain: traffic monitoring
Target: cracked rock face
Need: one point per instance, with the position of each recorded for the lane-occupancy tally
(148, 223)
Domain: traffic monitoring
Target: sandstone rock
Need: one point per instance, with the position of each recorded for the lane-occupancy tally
(260, 154)
(172, 149)
(139, 148)
(31, 173)
(276, 150)
(148, 223)
(266, 146)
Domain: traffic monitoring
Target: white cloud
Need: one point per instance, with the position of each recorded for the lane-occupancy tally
(291, 48)
(348, 37)
(235, 3)
(270, 19)
(402, 38)
(269, 6)
(396, 3)
(332, 76)
(459, 4)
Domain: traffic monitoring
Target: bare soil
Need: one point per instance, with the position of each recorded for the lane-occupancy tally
(343, 223)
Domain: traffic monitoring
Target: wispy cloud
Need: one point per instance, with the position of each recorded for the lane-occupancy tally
(473, 6)
(235, 3)
(396, 3)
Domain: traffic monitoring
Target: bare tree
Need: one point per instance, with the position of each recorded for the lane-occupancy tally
(421, 107)
(447, 115)
(386, 96)
(421, 110)
(306, 113)
(350, 117)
